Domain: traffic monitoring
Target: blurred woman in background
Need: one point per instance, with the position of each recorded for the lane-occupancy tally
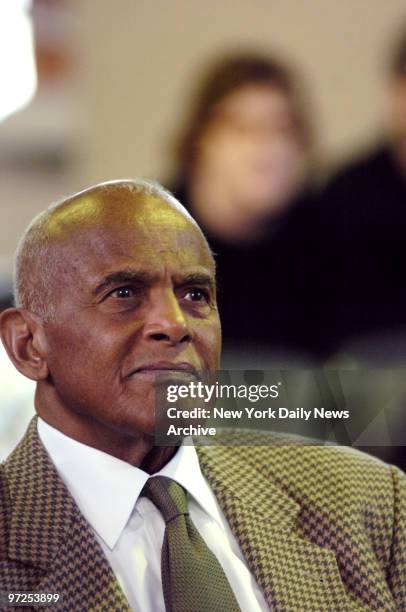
(243, 170)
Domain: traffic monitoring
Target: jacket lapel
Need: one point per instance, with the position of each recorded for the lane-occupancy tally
(47, 531)
(294, 574)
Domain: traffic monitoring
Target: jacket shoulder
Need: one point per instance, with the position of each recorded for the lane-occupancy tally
(333, 471)
(340, 479)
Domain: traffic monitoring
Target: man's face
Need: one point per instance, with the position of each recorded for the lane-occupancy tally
(135, 299)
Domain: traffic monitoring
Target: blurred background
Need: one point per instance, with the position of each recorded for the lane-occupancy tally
(280, 124)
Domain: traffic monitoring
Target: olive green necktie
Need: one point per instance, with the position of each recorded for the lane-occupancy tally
(192, 578)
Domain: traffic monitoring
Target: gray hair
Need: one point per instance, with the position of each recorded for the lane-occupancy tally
(34, 264)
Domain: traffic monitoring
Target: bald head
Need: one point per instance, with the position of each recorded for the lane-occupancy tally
(115, 285)
(42, 260)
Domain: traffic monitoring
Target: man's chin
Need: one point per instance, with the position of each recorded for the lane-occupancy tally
(147, 399)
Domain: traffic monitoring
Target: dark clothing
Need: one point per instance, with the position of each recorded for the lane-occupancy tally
(362, 228)
(332, 269)
(330, 273)
(263, 293)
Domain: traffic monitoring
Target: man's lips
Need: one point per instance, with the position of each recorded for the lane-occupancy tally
(159, 366)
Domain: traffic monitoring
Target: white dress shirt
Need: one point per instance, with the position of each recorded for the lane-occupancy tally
(130, 529)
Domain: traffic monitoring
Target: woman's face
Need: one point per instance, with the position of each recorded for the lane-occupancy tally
(253, 147)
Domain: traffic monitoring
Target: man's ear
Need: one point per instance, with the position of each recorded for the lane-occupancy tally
(23, 336)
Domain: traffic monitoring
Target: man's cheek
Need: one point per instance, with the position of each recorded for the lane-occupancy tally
(208, 346)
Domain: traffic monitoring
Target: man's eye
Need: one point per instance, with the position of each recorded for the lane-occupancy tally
(197, 295)
(123, 292)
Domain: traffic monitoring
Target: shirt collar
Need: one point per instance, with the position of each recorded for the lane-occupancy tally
(184, 468)
(106, 489)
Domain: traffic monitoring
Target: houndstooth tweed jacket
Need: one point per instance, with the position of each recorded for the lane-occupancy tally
(322, 529)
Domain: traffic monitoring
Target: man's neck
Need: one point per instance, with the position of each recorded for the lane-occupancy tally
(137, 450)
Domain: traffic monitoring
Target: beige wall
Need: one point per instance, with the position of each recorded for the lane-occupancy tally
(137, 59)
(140, 55)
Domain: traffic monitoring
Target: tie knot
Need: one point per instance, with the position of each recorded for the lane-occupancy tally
(167, 496)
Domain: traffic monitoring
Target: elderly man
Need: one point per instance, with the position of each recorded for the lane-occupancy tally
(112, 286)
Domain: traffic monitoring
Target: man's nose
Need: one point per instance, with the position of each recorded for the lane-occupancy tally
(166, 321)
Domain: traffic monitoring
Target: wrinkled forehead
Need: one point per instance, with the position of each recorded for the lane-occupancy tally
(102, 232)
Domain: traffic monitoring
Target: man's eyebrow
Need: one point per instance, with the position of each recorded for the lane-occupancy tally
(198, 278)
(123, 276)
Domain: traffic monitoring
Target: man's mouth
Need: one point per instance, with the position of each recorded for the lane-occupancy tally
(158, 367)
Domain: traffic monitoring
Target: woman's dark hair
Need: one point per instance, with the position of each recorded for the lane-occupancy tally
(397, 62)
(227, 75)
